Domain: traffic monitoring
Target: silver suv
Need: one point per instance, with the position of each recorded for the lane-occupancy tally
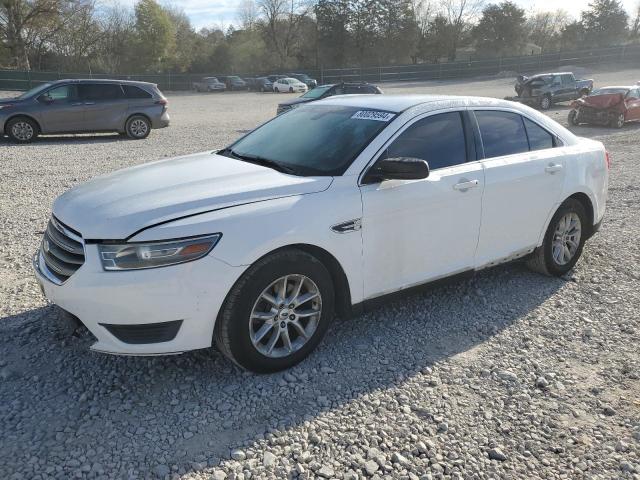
(83, 106)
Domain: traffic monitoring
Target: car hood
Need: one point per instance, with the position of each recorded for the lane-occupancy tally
(602, 101)
(115, 206)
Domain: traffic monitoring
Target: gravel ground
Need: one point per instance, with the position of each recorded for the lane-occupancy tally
(506, 375)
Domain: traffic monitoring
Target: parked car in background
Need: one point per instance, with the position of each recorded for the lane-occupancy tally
(275, 78)
(612, 106)
(259, 84)
(323, 210)
(233, 82)
(325, 91)
(306, 79)
(548, 88)
(209, 84)
(84, 106)
(290, 85)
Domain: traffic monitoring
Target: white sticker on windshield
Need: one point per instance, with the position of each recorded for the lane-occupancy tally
(373, 115)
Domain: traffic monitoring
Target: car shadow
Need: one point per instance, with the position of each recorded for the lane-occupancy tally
(191, 409)
(79, 139)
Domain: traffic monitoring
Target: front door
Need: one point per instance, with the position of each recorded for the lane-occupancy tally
(61, 111)
(420, 230)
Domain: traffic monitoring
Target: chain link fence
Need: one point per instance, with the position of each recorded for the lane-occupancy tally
(627, 55)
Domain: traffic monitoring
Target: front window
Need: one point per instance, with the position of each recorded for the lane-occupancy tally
(34, 91)
(312, 140)
(316, 92)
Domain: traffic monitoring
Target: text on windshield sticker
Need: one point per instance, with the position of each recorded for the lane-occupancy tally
(373, 115)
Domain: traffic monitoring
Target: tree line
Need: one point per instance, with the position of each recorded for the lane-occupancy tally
(270, 35)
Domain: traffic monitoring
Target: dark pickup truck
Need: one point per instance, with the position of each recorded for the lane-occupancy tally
(545, 89)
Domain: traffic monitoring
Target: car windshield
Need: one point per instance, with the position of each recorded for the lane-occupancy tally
(609, 91)
(316, 92)
(318, 140)
(34, 91)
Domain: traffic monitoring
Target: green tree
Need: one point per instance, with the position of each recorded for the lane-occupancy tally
(156, 36)
(501, 29)
(605, 23)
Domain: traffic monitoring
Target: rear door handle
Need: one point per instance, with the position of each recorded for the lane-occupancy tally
(77, 104)
(553, 168)
(464, 186)
(89, 103)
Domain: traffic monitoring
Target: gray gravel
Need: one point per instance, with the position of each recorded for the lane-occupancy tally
(506, 375)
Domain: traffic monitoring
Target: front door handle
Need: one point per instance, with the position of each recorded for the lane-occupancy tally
(77, 104)
(464, 186)
(553, 168)
(89, 103)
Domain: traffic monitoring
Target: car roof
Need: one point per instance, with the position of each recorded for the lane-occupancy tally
(102, 80)
(618, 86)
(551, 73)
(400, 103)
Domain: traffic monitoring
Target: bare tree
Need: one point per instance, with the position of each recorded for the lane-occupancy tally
(460, 15)
(545, 28)
(19, 18)
(635, 26)
(283, 19)
(248, 14)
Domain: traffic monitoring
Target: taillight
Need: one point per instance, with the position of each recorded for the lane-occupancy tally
(607, 157)
(162, 101)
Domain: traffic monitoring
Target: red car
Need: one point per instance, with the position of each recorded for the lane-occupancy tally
(612, 106)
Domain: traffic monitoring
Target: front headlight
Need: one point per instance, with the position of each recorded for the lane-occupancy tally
(136, 256)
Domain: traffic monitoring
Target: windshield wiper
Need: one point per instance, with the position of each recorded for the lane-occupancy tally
(256, 159)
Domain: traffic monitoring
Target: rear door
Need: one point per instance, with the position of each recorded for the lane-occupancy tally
(105, 106)
(61, 111)
(524, 173)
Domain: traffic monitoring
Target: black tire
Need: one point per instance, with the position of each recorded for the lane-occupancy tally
(22, 130)
(545, 102)
(584, 92)
(290, 89)
(542, 259)
(276, 90)
(617, 120)
(572, 118)
(231, 333)
(138, 127)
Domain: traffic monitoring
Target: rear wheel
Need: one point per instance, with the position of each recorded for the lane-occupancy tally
(563, 241)
(138, 127)
(290, 89)
(277, 313)
(22, 130)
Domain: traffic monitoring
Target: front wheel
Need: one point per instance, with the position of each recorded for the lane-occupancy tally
(545, 102)
(573, 118)
(276, 90)
(138, 127)
(22, 130)
(617, 120)
(563, 241)
(277, 313)
(290, 89)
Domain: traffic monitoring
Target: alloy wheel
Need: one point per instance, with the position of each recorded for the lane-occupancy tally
(138, 128)
(285, 316)
(566, 238)
(22, 131)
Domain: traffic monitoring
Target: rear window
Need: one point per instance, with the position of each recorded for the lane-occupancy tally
(131, 91)
(502, 133)
(100, 91)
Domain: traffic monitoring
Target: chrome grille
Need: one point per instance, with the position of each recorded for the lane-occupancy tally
(62, 250)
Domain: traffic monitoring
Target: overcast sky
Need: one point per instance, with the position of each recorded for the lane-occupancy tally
(208, 13)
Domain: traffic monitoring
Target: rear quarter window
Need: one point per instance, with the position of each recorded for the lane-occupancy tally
(503, 133)
(131, 91)
(539, 138)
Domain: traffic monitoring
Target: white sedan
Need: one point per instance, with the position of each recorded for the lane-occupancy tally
(290, 85)
(256, 247)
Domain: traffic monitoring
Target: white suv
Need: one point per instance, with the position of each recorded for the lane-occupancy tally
(256, 247)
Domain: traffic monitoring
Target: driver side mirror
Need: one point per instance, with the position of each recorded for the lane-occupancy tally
(46, 99)
(399, 168)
